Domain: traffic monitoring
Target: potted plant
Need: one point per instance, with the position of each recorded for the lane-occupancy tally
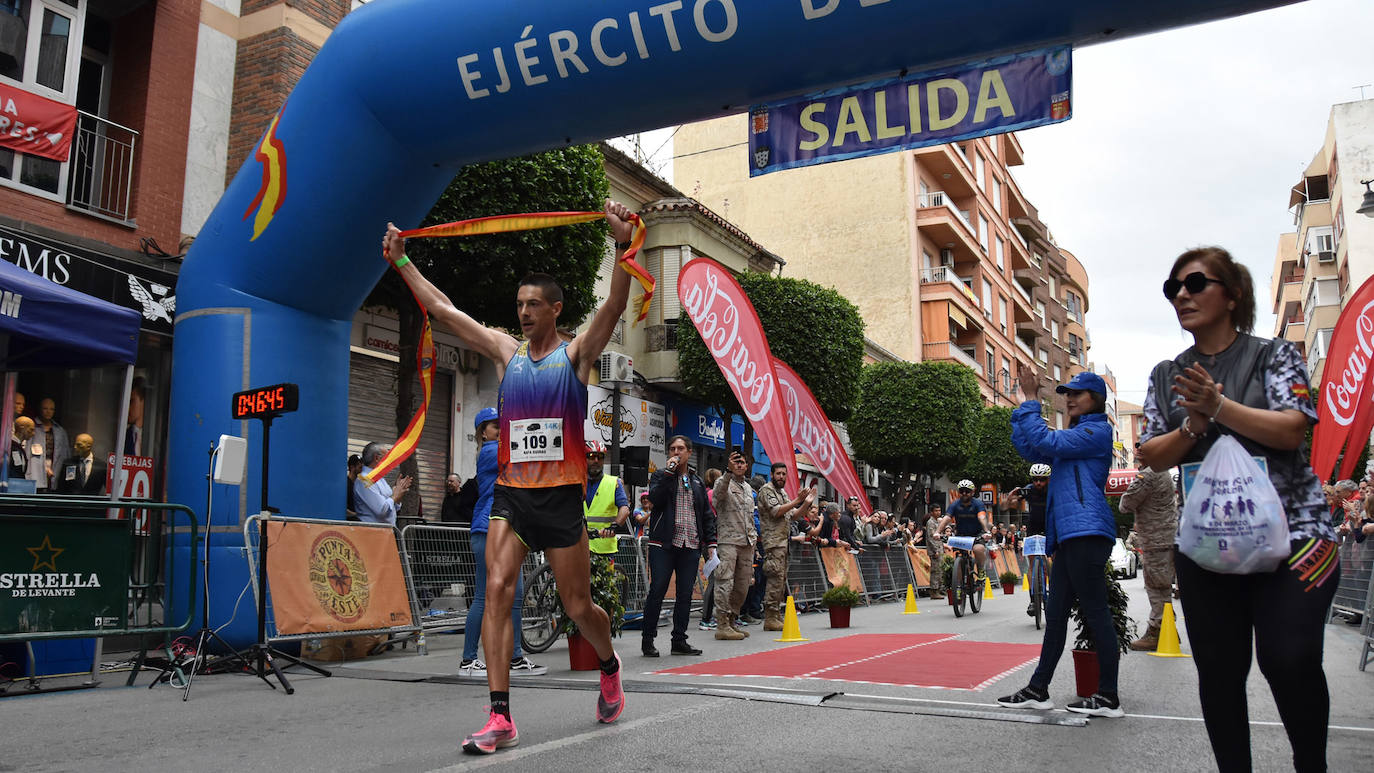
(947, 574)
(839, 600)
(1085, 665)
(1009, 580)
(606, 581)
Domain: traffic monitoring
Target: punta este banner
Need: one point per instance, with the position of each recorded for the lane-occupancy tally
(730, 327)
(815, 436)
(930, 108)
(1346, 406)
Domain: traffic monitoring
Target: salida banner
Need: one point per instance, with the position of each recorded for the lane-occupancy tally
(930, 108)
(35, 125)
(815, 436)
(334, 578)
(730, 327)
(1346, 407)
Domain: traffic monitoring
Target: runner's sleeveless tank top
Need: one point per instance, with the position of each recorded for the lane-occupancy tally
(542, 406)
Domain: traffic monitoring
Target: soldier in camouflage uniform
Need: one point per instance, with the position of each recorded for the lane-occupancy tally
(775, 512)
(1151, 498)
(935, 548)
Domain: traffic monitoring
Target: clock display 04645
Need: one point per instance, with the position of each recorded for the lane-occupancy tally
(266, 401)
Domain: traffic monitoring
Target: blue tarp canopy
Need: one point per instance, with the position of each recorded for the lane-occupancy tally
(46, 325)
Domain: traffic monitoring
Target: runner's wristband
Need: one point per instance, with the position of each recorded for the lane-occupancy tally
(404, 260)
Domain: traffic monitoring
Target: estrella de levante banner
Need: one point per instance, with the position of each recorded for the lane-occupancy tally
(815, 435)
(929, 108)
(1346, 407)
(729, 326)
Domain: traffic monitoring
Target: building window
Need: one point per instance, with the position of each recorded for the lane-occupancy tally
(40, 44)
(1054, 289)
(983, 233)
(987, 299)
(1058, 419)
(1001, 250)
(1044, 356)
(1054, 330)
(992, 365)
(997, 197)
(1006, 375)
(1040, 311)
(1002, 309)
(1058, 374)
(979, 170)
(1075, 349)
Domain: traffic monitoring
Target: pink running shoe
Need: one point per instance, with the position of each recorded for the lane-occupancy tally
(499, 733)
(611, 701)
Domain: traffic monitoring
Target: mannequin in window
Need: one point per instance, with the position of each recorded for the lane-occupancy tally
(82, 473)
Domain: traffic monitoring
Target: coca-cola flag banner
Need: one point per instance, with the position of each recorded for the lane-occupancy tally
(815, 436)
(35, 125)
(1346, 406)
(730, 327)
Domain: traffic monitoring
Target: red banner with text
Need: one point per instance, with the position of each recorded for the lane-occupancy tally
(35, 125)
(815, 435)
(1347, 401)
(730, 327)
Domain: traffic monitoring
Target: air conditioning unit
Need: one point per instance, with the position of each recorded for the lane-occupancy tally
(947, 257)
(617, 367)
(1326, 256)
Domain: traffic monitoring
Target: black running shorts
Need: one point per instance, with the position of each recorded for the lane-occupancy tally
(542, 518)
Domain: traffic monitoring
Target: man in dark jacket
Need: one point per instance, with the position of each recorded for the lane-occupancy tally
(681, 527)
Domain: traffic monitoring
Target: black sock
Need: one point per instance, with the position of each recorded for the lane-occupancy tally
(611, 666)
(500, 703)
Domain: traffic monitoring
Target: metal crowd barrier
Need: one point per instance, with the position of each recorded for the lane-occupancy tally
(1355, 592)
(632, 558)
(121, 545)
(886, 571)
(805, 573)
(251, 533)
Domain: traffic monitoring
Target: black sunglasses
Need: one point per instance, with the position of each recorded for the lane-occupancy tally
(1196, 282)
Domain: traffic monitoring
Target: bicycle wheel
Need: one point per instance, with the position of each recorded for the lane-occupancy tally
(975, 592)
(1037, 589)
(542, 615)
(958, 586)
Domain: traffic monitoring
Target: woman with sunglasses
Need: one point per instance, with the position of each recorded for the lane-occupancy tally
(1256, 390)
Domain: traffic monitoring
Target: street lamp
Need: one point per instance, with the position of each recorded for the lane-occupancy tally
(1367, 206)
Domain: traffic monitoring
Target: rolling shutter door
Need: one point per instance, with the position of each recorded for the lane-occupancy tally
(371, 416)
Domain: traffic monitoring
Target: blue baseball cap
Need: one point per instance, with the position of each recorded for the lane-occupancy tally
(483, 416)
(1087, 381)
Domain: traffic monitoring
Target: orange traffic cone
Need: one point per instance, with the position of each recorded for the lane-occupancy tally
(791, 629)
(911, 601)
(1168, 637)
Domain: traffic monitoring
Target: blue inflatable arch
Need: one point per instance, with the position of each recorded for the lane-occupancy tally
(405, 92)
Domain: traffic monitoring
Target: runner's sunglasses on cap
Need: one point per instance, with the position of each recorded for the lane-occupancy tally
(1196, 282)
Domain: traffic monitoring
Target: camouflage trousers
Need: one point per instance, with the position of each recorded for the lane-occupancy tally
(1159, 581)
(775, 571)
(937, 580)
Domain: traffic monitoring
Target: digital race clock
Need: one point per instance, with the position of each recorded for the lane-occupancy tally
(265, 402)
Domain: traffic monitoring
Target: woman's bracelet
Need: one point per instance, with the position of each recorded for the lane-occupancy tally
(1188, 431)
(1221, 399)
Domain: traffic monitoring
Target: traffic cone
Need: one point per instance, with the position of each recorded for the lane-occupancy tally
(791, 629)
(987, 588)
(1168, 637)
(910, 601)
(1025, 582)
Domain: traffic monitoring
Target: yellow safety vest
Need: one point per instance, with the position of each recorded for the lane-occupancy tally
(601, 513)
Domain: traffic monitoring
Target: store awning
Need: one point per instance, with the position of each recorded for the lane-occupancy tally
(46, 325)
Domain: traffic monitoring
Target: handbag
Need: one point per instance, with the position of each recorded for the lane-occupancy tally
(1232, 520)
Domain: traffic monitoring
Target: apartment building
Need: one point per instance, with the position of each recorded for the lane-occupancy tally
(938, 246)
(1331, 251)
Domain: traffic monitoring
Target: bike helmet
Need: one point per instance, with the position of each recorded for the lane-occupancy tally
(596, 447)
(1040, 471)
(965, 484)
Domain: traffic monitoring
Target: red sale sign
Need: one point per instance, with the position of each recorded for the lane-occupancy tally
(35, 125)
(815, 435)
(730, 327)
(135, 482)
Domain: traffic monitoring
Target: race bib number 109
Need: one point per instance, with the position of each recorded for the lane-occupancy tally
(536, 440)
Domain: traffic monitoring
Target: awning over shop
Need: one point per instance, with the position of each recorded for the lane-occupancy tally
(46, 325)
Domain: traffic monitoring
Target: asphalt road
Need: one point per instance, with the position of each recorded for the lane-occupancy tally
(390, 714)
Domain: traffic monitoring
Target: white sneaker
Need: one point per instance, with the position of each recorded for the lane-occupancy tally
(523, 667)
(474, 667)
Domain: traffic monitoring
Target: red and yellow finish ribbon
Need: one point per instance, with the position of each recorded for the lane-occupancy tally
(424, 356)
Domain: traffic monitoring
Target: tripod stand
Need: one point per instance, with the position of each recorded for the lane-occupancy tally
(206, 634)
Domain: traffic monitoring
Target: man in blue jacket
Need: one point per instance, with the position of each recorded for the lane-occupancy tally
(1079, 533)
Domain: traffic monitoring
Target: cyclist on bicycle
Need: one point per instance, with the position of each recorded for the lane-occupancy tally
(970, 518)
(1034, 494)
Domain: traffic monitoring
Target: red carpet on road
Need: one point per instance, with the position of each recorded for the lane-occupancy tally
(914, 660)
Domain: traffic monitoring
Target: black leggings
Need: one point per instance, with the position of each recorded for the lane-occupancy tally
(1284, 613)
(1079, 572)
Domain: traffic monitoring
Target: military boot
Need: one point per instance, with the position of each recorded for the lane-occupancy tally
(1149, 642)
(726, 631)
(772, 621)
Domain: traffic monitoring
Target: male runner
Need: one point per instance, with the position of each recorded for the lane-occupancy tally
(970, 519)
(538, 499)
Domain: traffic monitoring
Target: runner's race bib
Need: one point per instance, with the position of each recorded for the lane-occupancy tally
(536, 440)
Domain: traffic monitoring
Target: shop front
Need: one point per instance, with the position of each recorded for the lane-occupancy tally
(706, 428)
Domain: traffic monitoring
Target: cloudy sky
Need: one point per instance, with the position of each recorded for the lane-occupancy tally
(1184, 138)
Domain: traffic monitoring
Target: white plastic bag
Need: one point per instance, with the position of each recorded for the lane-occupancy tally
(1232, 521)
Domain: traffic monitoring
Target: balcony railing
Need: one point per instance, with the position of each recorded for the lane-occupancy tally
(946, 350)
(101, 179)
(940, 274)
(942, 199)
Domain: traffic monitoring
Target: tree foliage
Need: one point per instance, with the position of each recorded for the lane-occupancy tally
(814, 329)
(480, 273)
(921, 417)
(995, 460)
